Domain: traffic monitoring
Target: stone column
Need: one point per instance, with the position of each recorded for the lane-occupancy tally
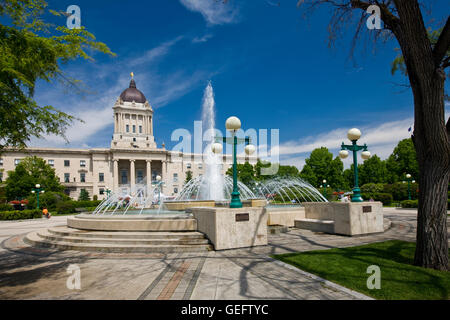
(149, 175)
(116, 176)
(132, 176)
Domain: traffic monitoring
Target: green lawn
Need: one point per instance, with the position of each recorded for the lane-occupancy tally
(400, 280)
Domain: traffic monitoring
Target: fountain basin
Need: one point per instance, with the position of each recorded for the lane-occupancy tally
(155, 222)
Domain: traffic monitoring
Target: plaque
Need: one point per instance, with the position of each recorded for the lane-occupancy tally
(367, 209)
(242, 217)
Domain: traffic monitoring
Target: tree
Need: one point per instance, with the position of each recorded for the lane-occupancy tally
(245, 173)
(425, 64)
(373, 170)
(403, 160)
(320, 165)
(29, 172)
(32, 50)
(188, 176)
(84, 195)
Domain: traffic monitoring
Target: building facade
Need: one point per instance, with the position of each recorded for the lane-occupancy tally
(133, 157)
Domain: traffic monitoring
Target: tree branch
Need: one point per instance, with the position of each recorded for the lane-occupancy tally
(443, 44)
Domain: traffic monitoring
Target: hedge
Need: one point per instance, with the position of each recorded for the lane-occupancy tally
(6, 207)
(385, 198)
(20, 215)
(415, 204)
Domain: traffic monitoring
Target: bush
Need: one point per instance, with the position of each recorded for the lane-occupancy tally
(47, 200)
(6, 207)
(372, 188)
(20, 215)
(86, 204)
(66, 207)
(410, 204)
(399, 190)
(385, 198)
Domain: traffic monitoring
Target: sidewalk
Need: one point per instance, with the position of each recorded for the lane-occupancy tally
(31, 273)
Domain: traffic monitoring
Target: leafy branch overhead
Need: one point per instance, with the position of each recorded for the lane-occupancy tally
(31, 50)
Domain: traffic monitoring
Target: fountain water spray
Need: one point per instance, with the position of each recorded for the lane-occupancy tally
(212, 187)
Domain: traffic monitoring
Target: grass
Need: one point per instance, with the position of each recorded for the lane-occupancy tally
(400, 280)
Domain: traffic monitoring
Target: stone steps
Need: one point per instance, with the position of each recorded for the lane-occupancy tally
(70, 232)
(315, 225)
(116, 242)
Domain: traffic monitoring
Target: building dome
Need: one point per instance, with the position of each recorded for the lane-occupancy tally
(132, 94)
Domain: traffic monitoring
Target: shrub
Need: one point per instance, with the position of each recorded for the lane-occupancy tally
(86, 204)
(20, 215)
(47, 200)
(372, 188)
(410, 204)
(385, 198)
(66, 207)
(6, 207)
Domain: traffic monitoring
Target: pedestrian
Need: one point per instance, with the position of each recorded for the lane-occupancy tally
(46, 213)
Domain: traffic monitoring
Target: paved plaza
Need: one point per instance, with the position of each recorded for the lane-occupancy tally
(32, 273)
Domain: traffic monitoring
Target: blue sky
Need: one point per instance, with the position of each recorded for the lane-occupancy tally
(268, 66)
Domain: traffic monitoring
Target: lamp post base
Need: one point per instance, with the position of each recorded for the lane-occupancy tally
(235, 200)
(357, 195)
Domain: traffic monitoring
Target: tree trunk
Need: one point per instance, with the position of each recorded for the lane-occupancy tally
(431, 138)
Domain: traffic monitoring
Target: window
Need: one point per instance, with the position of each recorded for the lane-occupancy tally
(140, 176)
(128, 128)
(82, 163)
(66, 177)
(140, 129)
(1, 162)
(175, 190)
(51, 163)
(134, 128)
(102, 191)
(82, 177)
(188, 166)
(175, 177)
(101, 177)
(124, 176)
(17, 161)
(200, 165)
(66, 163)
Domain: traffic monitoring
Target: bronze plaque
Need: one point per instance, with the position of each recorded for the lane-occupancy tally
(367, 209)
(242, 217)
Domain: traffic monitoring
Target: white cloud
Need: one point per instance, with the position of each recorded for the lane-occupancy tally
(204, 38)
(157, 52)
(381, 140)
(214, 12)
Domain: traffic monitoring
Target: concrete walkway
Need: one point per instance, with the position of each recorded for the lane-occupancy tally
(31, 273)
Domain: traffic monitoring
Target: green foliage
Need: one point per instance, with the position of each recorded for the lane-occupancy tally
(373, 170)
(399, 190)
(29, 172)
(403, 160)
(95, 197)
(410, 204)
(20, 215)
(320, 165)
(33, 50)
(6, 207)
(84, 195)
(245, 173)
(372, 188)
(65, 207)
(47, 200)
(188, 176)
(385, 198)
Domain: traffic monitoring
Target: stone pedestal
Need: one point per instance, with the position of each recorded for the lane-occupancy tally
(232, 228)
(348, 218)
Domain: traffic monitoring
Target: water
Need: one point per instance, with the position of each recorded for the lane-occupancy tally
(212, 186)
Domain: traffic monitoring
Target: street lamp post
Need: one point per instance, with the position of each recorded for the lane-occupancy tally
(324, 185)
(108, 192)
(37, 191)
(233, 124)
(408, 178)
(354, 135)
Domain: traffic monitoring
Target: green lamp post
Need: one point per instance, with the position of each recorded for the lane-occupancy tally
(324, 185)
(108, 193)
(37, 191)
(408, 178)
(233, 124)
(354, 135)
